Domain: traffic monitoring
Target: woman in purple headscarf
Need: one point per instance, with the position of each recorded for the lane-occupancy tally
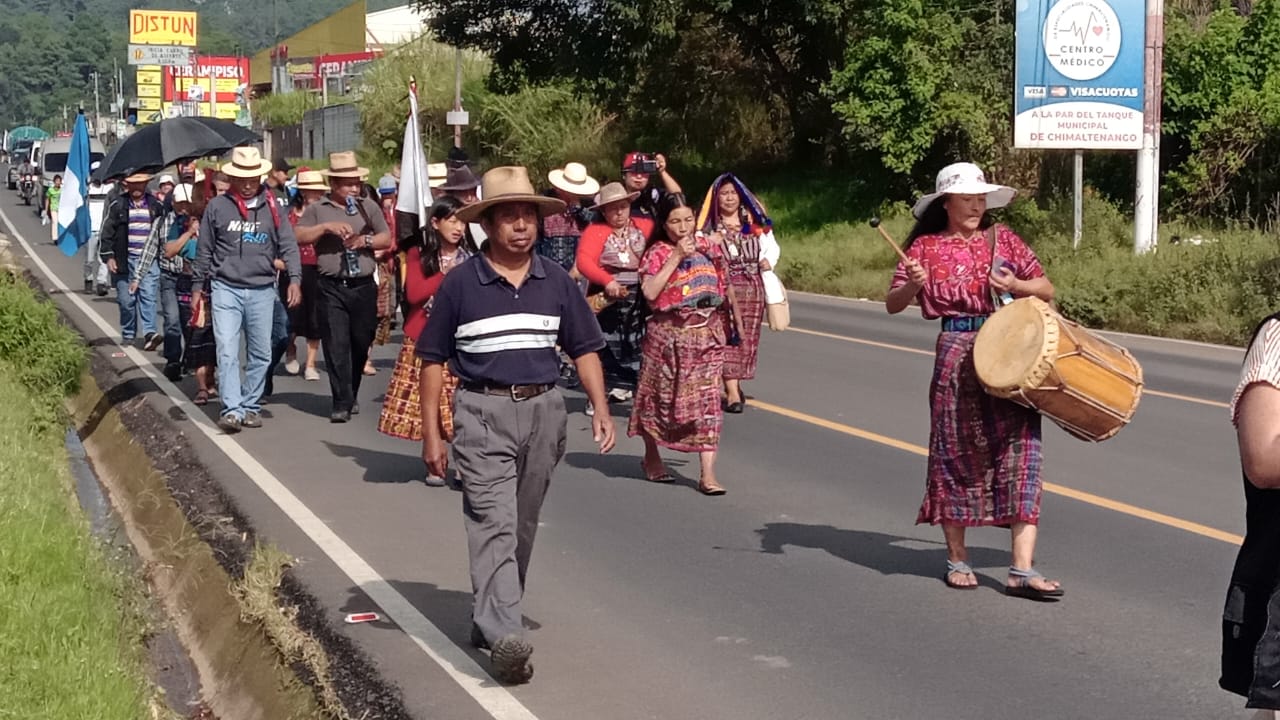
(736, 218)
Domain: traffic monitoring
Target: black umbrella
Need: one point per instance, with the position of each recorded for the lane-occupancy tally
(172, 141)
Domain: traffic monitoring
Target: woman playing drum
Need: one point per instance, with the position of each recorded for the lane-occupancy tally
(984, 452)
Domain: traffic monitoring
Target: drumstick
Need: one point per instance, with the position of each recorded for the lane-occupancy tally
(875, 223)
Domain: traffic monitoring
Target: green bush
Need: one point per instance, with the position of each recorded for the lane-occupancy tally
(384, 97)
(44, 355)
(543, 127)
(284, 109)
(1214, 291)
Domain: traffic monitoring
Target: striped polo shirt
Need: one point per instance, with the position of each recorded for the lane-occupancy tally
(491, 332)
(139, 226)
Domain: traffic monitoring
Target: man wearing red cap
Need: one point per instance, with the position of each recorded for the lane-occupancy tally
(637, 169)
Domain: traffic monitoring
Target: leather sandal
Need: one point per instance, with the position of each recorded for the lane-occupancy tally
(959, 568)
(1020, 586)
(712, 490)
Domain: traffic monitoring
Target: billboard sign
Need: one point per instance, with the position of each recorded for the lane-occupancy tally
(209, 74)
(162, 27)
(165, 55)
(1078, 82)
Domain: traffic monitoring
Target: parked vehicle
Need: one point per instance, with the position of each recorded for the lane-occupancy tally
(53, 161)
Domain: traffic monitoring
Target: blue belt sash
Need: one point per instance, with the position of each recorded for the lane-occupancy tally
(963, 324)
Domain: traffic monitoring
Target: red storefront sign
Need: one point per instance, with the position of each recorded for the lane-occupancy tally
(210, 74)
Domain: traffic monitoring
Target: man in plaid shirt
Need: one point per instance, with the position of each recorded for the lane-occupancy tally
(172, 243)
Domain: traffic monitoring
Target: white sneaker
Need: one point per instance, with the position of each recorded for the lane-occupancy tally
(292, 367)
(591, 410)
(312, 374)
(620, 395)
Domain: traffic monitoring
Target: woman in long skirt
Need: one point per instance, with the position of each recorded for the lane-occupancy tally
(677, 402)
(738, 221)
(609, 253)
(443, 246)
(984, 452)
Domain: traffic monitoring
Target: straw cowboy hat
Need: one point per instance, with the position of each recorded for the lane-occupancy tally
(573, 179)
(965, 179)
(246, 162)
(509, 185)
(460, 178)
(344, 165)
(612, 193)
(311, 180)
(139, 177)
(437, 174)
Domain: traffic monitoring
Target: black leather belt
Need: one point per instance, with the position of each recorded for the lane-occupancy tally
(350, 282)
(519, 393)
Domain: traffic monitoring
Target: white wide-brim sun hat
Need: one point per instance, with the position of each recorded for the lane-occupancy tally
(965, 179)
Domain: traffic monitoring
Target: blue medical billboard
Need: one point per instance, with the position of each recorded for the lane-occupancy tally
(1078, 83)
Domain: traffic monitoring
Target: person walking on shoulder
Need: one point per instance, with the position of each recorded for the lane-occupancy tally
(346, 230)
(241, 235)
(496, 321)
(124, 234)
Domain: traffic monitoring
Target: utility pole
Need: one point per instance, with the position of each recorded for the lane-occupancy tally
(97, 107)
(1146, 207)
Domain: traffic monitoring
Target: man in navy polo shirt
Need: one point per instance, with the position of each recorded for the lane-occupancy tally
(497, 320)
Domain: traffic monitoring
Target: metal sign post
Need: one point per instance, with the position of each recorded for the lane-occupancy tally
(1146, 206)
(1077, 188)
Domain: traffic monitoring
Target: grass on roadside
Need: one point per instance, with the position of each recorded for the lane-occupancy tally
(71, 635)
(1215, 291)
(72, 626)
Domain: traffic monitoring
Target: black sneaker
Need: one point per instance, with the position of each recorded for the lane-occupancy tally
(173, 371)
(510, 660)
(339, 416)
(252, 420)
(102, 291)
(152, 341)
(230, 424)
(477, 638)
(88, 286)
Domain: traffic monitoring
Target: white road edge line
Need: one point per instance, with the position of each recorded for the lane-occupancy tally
(495, 699)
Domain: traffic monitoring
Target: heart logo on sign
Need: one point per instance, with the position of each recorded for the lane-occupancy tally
(1097, 29)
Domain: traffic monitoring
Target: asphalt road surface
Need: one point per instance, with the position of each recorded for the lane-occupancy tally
(807, 591)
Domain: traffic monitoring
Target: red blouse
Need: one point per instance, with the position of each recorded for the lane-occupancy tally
(959, 271)
(591, 247)
(418, 289)
(306, 252)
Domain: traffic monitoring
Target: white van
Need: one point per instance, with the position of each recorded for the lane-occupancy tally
(53, 157)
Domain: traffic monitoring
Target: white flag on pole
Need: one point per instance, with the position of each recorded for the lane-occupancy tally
(415, 192)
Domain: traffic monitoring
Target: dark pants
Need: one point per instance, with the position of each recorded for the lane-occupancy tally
(177, 314)
(349, 320)
(279, 341)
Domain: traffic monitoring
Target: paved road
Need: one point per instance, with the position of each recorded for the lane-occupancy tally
(806, 592)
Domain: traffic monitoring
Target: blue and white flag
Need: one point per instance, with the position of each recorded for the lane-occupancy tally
(73, 205)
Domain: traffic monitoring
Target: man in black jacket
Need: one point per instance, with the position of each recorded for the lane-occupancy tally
(125, 228)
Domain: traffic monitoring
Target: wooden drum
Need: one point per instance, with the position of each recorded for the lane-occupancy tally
(1028, 353)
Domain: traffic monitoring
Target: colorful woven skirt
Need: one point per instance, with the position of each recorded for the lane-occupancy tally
(748, 290)
(677, 400)
(386, 300)
(402, 406)
(984, 452)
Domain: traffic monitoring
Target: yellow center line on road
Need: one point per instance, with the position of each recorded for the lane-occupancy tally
(929, 353)
(1080, 495)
